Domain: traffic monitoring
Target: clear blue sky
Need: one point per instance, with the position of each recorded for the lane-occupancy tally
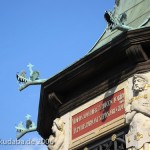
(51, 35)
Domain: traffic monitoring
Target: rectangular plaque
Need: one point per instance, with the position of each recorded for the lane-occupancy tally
(98, 114)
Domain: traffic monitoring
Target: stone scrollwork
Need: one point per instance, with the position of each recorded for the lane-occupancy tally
(138, 113)
(56, 141)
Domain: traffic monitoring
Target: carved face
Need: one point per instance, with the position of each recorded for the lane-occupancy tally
(139, 84)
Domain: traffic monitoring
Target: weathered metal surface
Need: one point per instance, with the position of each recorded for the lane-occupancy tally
(137, 13)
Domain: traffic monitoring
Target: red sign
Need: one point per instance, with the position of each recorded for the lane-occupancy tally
(98, 114)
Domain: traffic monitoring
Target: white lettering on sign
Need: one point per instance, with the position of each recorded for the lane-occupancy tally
(99, 118)
(98, 114)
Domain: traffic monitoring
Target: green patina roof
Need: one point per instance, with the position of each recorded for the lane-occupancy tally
(138, 12)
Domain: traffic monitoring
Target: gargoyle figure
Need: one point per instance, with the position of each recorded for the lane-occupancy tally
(30, 127)
(117, 2)
(32, 80)
(21, 77)
(116, 22)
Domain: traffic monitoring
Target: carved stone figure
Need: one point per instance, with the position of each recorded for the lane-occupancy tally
(56, 141)
(138, 114)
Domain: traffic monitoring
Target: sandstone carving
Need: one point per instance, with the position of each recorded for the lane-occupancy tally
(56, 141)
(138, 113)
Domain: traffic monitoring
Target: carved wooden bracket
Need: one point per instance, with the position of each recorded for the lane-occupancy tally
(136, 54)
(54, 100)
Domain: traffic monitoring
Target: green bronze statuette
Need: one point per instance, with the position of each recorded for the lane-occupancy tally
(29, 127)
(32, 80)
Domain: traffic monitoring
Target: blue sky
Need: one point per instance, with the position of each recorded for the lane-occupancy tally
(51, 35)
